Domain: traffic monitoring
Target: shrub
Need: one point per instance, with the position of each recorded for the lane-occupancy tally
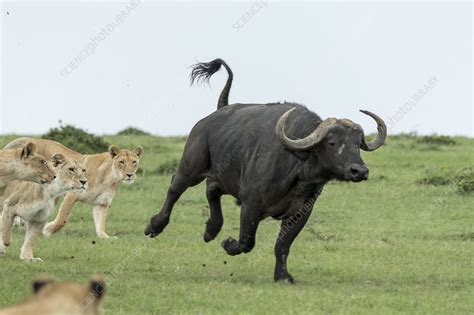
(434, 180)
(464, 181)
(132, 131)
(167, 168)
(437, 140)
(77, 139)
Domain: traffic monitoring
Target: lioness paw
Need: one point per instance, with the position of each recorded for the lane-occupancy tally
(49, 229)
(17, 221)
(33, 259)
(105, 236)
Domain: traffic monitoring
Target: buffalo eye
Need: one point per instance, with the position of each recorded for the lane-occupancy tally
(331, 143)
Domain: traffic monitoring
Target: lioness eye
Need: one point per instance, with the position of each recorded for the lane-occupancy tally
(122, 162)
(84, 170)
(331, 144)
(71, 169)
(44, 162)
(134, 162)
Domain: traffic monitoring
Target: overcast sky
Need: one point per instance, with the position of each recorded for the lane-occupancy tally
(102, 66)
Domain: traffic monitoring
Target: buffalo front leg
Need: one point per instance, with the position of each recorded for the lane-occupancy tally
(249, 220)
(290, 228)
(33, 230)
(178, 186)
(62, 216)
(100, 217)
(216, 220)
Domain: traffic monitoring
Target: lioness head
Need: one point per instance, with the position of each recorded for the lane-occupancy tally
(126, 162)
(70, 173)
(70, 298)
(33, 166)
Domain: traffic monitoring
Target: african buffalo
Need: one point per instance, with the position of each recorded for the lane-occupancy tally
(273, 158)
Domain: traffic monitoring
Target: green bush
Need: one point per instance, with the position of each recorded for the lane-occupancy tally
(437, 140)
(435, 180)
(77, 139)
(167, 168)
(132, 131)
(464, 181)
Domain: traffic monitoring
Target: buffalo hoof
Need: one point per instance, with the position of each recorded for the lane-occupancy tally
(156, 226)
(211, 231)
(286, 278)
(231, 246)
(208, 237)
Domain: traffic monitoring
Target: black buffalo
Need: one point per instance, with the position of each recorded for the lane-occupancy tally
(273, 158)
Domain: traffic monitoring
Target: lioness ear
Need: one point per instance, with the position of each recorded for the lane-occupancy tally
(40, 282)
(58, 159)
(28, 150)
(97, 286)
(114, 151)
(138, 151)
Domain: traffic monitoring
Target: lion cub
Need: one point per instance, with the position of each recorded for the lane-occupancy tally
(34, 203)
(50, 297)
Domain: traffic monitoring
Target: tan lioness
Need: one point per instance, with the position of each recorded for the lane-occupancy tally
(50, 297)
(105, 172)
(34, 203)
(24, 164)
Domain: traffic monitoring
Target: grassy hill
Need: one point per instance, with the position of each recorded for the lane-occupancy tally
(401, 242)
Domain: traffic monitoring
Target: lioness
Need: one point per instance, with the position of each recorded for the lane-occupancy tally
(24, 164)
(50, 297)
(105, 172)
(34, 203)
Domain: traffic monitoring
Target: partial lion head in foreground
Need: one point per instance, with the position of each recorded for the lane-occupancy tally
(62, 298)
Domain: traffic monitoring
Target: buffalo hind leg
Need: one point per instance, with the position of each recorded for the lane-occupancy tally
(178, 186)
(290, 228)
(249, 220)
(216, 220)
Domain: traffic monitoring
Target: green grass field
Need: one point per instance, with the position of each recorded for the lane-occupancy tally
(387, 245)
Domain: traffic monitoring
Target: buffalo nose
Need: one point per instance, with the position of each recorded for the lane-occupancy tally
(83, 182)
(359, 172)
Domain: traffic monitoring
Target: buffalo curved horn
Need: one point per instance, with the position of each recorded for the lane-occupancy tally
(302, 144)
(381, 135)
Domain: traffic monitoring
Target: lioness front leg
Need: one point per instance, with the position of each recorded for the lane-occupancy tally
(2, 247)
(6, 226)
(62, 217)
(100, 217)
(33, 230)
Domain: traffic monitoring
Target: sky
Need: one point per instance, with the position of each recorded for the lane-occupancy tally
(104, 66)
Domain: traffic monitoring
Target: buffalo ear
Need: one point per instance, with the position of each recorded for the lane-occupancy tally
(40, 282)
(29, 150)
(138, 151)
(97, 285)
(114, 151)
(58, 159)
(302, 155)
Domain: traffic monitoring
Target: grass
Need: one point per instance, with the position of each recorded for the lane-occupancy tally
(387, 245)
